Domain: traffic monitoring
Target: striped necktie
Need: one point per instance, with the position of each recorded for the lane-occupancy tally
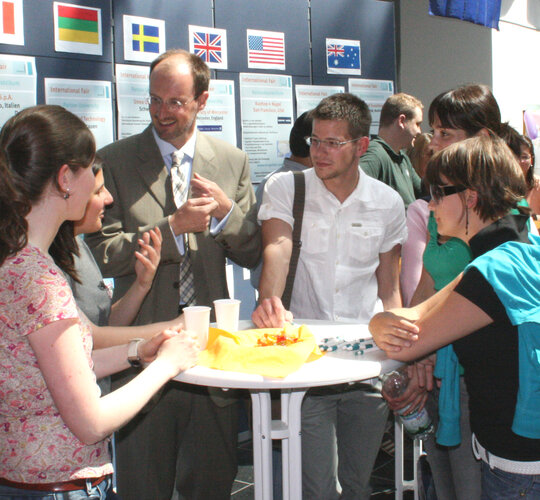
(180, 188)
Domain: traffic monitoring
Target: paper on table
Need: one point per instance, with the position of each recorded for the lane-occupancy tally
(239, 352)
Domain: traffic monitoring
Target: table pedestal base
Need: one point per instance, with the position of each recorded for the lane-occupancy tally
(288, 430)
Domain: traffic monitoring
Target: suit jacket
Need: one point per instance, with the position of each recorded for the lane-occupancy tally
(137, 178)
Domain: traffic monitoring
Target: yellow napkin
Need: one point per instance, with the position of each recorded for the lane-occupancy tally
(239, 352)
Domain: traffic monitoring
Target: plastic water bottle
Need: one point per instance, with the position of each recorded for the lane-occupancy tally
(417, 424)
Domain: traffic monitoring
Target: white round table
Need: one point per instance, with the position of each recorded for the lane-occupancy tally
(333, 368)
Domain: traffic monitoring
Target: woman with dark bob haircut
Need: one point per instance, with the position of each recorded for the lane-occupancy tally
(474, 185)
(55, 426)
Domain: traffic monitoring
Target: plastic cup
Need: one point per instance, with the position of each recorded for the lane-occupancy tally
(227, 314)
(197, 319)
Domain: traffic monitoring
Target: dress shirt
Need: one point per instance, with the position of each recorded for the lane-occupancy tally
(341, 243)
(188, 149)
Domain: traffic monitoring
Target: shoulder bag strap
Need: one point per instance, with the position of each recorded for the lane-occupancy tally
(298, 215)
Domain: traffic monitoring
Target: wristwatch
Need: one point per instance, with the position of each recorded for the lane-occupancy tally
(133, 353)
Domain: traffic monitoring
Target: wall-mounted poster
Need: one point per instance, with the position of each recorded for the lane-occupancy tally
(132, 99)
(144, 38)
(218, 118)
(18, 82)
(267, 118)
(210, 44)
(77, 29)
(11, 22)
(308, 96)
(375, 93)
(90, 100)
(343, 57)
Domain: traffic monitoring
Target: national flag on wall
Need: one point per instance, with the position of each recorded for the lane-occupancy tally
(210, 44)
(266, 49)
(77, 29)
(343, 56)
(144, 38)
(11, 22)
(484, 12)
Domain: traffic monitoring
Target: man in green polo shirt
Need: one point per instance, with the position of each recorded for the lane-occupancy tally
(385, 159)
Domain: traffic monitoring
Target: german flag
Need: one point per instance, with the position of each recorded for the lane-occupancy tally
(78, 24)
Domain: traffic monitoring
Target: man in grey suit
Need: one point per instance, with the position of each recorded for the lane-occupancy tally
(219, 221)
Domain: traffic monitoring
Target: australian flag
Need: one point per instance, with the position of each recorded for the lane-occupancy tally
(342, 57)
(484, 12)
(208, 46)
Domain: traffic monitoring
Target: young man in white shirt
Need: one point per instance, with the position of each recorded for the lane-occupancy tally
(352, 232)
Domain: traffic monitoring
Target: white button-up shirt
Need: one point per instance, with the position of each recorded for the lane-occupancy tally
(341, 243)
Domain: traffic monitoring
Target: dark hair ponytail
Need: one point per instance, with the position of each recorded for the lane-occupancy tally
(14, 208)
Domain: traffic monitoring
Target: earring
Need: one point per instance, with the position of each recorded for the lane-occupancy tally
(67, 194)
(466, 220)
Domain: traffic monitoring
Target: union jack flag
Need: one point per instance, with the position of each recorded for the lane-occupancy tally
(210, 44)
(336, 50)
(207, 46)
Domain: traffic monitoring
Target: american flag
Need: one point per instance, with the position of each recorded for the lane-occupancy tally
(207, 46)
(266, 49)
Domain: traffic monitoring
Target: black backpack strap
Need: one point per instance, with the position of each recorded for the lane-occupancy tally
(298, 215)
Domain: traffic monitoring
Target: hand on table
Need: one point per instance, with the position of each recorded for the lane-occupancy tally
(205, 188)
(193, 216)
(270, 313)
(391, 332)
(178, 348)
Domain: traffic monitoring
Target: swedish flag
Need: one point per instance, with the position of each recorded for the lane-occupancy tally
(145, 38)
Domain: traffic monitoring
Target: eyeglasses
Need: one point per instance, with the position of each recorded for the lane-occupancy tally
(172, 104)
(329, 143)
(439, 192)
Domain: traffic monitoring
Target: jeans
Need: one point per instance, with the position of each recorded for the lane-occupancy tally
(501, 485)
(456, 473)
(101, 491)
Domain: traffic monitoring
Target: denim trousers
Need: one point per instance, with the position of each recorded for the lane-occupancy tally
(101, 491)
(500, 485)
(456, 473)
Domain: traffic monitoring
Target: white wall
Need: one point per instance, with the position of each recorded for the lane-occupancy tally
(516, 71)
(436, 54)
(439, 53)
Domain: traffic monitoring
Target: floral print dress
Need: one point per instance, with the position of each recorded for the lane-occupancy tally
(35, 444)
